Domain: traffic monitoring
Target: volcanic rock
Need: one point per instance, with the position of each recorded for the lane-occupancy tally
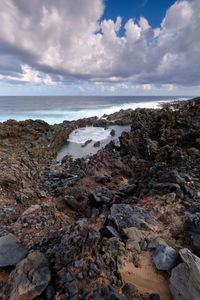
(29, 279)
(185, 278)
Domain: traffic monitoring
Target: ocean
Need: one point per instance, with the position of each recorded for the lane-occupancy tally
(56, 109)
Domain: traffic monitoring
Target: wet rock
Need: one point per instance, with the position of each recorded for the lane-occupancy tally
(100, 196)
(157, 242)
(10, 251)
(29, 279)
(97, 144)
(133, 233)
(112, 133)
(103, 178)
(185, 278)
(72, 244)
(86, 143)
(165, 258)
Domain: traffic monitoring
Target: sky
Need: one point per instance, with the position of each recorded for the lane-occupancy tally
(100, 47)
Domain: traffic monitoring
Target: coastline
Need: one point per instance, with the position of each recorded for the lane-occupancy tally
(76, 214)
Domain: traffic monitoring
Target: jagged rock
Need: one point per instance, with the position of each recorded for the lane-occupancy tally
(113, 247)
(195, 207)
(100, 196)
(66, 281)
(86, 143)
(129, 189)
(124, 216)
(165, 258)
(185, 278)
(79, 236)
(29, 279)
(112, 133)
(192, 223)
(10, 251)
(133, 233)
(97, 144)
(157, 242)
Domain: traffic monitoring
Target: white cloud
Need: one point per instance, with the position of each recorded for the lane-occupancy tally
(66, 38)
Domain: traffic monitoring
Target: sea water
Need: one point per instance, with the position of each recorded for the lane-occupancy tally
(78, 137)
(56, 109)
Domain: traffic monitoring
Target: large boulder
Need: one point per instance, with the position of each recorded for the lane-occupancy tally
(165, 258)
(185, 278)
(192, 228)
(11, 252)
(29, 279)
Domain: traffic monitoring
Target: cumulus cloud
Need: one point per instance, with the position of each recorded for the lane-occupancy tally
(56, 42)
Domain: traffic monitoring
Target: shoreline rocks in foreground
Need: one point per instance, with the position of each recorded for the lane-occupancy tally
(123, 224)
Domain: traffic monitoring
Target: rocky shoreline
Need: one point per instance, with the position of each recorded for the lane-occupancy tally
(123, 224)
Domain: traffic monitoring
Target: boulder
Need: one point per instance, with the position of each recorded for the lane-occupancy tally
(124, 215)
(192, 223)
(165, 258)
(10, 251)
(185, 278)
(29, 279)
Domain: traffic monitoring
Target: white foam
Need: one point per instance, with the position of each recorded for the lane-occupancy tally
(81, 135)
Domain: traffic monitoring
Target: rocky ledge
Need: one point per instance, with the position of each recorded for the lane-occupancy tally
(121, 224)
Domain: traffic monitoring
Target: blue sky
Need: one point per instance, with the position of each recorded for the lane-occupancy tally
(100, 47)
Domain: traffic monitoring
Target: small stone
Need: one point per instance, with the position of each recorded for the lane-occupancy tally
(129, 290)
(154, 297)
(114, 296)
(165, 258)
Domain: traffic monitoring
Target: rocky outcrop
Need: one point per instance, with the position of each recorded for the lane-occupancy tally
(185, 278)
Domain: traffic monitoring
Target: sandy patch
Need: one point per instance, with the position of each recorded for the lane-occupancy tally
(146, 278)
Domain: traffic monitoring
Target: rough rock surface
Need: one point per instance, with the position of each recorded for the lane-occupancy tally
(11, 252)
(165, 258)
(185, 278)
(29, 279)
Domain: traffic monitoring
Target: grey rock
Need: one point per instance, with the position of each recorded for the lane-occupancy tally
(195, 242)
(125, 215)
(29, 279)
(129, 290)
(100, 196)
(157, 242)
(109, 231)
(165, 258)
(10, 251)
(185, 278)
(192, 223)
(195, 207)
